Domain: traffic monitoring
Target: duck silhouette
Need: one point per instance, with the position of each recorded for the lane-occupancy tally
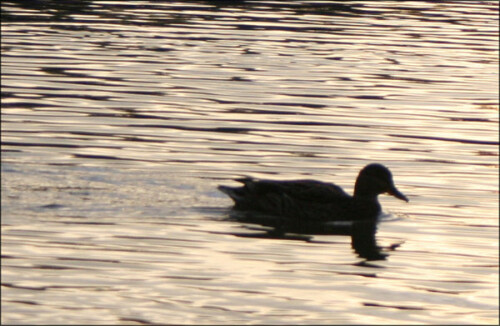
(305, 202)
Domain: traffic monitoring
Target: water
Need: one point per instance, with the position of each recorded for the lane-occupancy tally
(119, 120)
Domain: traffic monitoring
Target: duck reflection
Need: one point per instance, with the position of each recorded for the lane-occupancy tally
(362, 232)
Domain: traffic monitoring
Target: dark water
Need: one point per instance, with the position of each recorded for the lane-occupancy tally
(119, 120)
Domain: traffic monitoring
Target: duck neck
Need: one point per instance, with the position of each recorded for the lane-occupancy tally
(363, 190)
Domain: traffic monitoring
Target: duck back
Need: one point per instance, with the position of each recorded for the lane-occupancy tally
(307, 200)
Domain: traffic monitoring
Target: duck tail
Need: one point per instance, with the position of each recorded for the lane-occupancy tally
(234, 193)
(245, 180)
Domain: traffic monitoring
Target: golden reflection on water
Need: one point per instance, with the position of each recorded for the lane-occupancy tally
(115, 136)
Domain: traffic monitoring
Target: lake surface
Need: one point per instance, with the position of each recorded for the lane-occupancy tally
(120, 119)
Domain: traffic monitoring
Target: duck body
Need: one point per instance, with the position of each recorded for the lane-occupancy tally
(312, 201)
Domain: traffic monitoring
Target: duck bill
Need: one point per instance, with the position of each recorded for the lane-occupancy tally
(396, 193)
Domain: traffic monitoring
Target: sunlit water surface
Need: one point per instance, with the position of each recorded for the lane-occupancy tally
(119, 120)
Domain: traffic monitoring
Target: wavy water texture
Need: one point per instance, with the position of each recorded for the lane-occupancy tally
(119, 120)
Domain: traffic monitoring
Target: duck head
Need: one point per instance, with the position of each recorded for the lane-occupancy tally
(375, 179)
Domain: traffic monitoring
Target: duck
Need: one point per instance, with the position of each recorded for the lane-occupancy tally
(311, 201)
